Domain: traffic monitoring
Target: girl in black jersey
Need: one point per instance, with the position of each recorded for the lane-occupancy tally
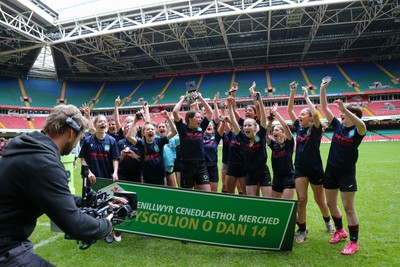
(282, 153)
(340, 173)
(308, 163)
(151, 148)
(253, 139)
(211, 139)
(194, 170)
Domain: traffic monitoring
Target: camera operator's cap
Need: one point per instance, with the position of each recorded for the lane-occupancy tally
(190, 86)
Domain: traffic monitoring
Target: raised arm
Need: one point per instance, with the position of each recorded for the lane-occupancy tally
(263, 121)
(221, 126)
(195, 106)
(116, 113)
(312, 108)
(171, 124)
(270, 119)
(256, 103)
(86, 111)
(216, 109)
(360, 125)
(293, 88)
(209, 111)
(324, 103)
(177, 108)
(146, 113)
(285, 127)
(234, 123)
(131, 135)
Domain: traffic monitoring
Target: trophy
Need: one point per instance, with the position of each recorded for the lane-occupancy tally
(191, 94)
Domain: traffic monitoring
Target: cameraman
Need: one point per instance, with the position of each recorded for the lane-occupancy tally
(34, 182)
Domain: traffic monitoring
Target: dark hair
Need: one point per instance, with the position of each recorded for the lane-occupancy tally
(189, 115)
(355, 109)
(253, 107)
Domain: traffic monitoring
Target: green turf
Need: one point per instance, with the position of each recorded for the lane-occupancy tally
(376, 204)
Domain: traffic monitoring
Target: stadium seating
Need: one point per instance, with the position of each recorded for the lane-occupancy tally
(38, 122)
(390, 134)
(78, 93)
(282, 77)
(215, 82)
(245, 80)
(43, 93)
(366, 74)
(14, 122)
(148, 90)
(338, 84)
(176, 88)
(392, 66)
(10, 92)
(112, 90)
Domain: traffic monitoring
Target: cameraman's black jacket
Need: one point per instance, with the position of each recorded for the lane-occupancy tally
(33, 181)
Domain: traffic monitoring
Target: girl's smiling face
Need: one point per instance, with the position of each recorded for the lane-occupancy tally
(162, 129)
(305, 118)
(250, 128)
(101, 124)
(149, 132)
(194, 122)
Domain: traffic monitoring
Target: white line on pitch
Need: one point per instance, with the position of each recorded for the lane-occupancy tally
(47, 241)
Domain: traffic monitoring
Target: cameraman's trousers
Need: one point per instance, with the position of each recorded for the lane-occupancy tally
(22, 255)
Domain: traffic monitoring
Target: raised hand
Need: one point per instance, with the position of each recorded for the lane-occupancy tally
(293, 86)
(305, 91)
(117, 101)
(339, 103)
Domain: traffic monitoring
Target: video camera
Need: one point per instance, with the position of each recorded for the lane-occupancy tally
(97, 205)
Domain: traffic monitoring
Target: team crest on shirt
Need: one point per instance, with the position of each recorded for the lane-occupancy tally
(107, 148)
(351, 133)
(156, 148)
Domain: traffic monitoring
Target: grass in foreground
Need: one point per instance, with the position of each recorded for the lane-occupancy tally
(376, 202)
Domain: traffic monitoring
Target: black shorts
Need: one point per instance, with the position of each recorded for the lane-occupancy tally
(136, 178)
(261, 178)
(344, 179)
(194, 173)
(213, 173)
(236, 170)
(177, 165)
(315, 177)
(159, 181)
(281, 183)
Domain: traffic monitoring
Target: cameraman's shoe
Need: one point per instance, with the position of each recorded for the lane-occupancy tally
(109, 239)
(117, 237)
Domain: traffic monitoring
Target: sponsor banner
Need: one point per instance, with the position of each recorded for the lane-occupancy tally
(209, 218)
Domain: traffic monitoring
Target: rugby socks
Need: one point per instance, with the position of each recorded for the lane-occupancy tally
(326, 219)
(353, 229)
(302, 226)
(338, 222)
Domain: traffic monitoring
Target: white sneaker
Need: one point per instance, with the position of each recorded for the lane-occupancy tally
(118, 238)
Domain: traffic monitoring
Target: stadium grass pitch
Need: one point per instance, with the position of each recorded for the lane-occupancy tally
(376, 203)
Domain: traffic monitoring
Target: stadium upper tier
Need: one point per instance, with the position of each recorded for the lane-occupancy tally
(347, 77)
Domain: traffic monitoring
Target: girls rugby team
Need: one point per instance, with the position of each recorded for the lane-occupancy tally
(184, 152)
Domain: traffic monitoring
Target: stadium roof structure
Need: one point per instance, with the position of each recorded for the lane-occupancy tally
(196, 35)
